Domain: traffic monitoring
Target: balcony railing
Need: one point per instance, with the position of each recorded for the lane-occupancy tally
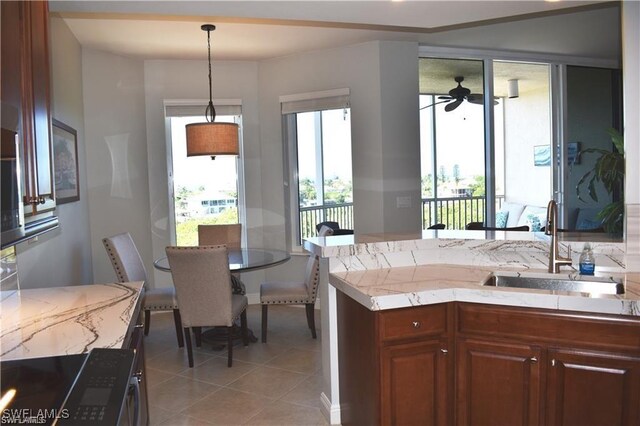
(455, 212)
(311, 216)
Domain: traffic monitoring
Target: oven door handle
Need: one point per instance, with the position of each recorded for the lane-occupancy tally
(134, 389)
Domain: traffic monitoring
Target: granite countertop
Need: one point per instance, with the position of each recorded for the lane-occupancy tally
(398, 287)
(66, 320)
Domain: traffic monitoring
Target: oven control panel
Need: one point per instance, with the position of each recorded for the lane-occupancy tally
(100, 393)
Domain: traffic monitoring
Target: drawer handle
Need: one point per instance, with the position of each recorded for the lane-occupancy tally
(553, 362)
(138, 375)
(444, 351)
(533, 359)
(138, 326)
(416, 324)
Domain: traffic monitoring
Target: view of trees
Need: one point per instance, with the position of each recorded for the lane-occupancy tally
(187, 231)
(336, 191)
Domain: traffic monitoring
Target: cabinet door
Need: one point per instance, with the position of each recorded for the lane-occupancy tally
(414, 383)
(592, 389)
(497, 383)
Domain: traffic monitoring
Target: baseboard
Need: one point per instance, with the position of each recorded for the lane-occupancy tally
(330, 412)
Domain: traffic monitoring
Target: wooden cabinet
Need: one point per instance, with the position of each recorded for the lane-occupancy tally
(26, 118)
(509, 366)
(497, 383)
(519, 366)
(395, 366)
(588, 388)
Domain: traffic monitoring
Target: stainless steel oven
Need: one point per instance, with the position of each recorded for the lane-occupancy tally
(99, 388)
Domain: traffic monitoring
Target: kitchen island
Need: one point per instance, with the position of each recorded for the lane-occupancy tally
(402, 314)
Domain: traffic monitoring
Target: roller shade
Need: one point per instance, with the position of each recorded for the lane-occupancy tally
(197, 108)
(315, 101)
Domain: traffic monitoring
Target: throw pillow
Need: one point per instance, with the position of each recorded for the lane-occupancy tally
(534, 223)
(501, 219)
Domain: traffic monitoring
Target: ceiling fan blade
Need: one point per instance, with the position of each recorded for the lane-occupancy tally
(435, 103)
(476, 98)
(450, 107)
(446, 97)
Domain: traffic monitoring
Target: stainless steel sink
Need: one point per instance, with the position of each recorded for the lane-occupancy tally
(558, 284)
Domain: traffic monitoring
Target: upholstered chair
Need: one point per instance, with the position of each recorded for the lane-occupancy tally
(227, 234)
(293, 293)
(231, 236)
(203, 287)
(128, 266)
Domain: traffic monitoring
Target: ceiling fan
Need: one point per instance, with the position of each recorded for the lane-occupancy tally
(458, 95)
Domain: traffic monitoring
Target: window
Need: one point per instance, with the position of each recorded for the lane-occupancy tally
(202, 190)
(318, 137)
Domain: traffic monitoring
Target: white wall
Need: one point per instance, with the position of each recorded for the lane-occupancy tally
(117, 180)
(527, 124)
(63, 256)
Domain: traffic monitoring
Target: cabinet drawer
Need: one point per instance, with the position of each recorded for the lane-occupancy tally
(410, 322)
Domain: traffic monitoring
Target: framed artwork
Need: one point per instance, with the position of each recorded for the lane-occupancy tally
(542, 155)
(65, 160)
(573, 148)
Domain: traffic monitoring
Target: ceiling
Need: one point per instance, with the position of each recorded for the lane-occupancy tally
(262, 30)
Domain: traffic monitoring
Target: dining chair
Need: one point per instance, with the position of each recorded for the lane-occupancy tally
(293, 293)
(128, 266)
(201, 276)
(438, 226)
(229, 235)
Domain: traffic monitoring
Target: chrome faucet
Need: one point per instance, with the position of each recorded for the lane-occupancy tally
(555, 260)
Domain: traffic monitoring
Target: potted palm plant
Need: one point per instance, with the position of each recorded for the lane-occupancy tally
(608, 169)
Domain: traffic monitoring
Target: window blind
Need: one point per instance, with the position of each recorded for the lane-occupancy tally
(315, 101)
(195, 108)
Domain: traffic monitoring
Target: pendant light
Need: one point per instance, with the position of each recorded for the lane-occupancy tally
(211, 138)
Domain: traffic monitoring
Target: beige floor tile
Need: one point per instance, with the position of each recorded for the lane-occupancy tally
(179, 392)
(306, 393)
(155, 377)
(258, 353)
(228, 407)
(282, 413)
(175, 360)
(268, 382)
(298, 360)
(158, 415)
(215, 371)
(184, 420)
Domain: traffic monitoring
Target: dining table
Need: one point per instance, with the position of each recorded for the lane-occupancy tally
(240, 260)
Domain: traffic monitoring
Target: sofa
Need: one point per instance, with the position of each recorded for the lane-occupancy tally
(516, 214)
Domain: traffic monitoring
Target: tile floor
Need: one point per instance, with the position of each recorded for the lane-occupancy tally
(276, 383)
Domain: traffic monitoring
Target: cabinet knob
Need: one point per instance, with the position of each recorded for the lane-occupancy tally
(444, 351)
(553, 362)
(41, 200)
(138, 375)
(533, 359)
(138, 326)
(416, 324)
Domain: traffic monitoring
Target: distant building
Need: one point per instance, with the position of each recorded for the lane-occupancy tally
(210, 203)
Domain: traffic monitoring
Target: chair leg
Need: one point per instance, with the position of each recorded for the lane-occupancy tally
(229, 346)
(187, 338)
(178, 320)
(243, 326)
(198, 333)
(147, 321)
(264, 323)
(311, 319)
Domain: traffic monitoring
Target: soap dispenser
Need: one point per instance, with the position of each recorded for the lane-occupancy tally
(587, 261)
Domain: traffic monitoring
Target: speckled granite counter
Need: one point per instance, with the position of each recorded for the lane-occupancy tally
(66, 320)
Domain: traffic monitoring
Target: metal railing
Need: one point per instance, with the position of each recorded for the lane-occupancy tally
(311, 216)
(455, 212)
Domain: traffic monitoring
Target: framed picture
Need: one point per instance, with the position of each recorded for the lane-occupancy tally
(572, 153)
(65, 160)
(542, 155)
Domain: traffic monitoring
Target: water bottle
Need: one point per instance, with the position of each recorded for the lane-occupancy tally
(587, 261)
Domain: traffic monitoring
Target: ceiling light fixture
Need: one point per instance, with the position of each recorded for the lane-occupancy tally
(512, 89)
(211, 138)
